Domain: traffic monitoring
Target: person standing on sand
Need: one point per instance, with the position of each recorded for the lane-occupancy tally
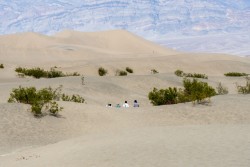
(126, 105)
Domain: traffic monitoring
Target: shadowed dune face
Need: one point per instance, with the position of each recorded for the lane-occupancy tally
(100, 136)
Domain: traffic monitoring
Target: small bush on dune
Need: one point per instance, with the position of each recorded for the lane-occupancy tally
(129, 70)
(197, 90)
(235, 74)
(102, 71)
(73, 98)
(244, 89)
(41, 73)
(1, 66)
(121, 73)
(180, 73)
(154, 71)
(42, 100)
(163, 96)
(38, 99)
(54, 74)
(194, 90)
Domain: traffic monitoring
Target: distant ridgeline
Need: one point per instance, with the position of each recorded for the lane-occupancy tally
(146, 18)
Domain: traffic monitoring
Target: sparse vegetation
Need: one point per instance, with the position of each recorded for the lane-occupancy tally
(129, 70)
(163, 96)
(154, 71)
(102, 71)
(41, 73)
(244, 89)
(73, 98)
(180, 73)
(221, 90)
(121, 73)
(195, 91)
(235, 74)
(38, 99)
(1, 66)
(41, 101)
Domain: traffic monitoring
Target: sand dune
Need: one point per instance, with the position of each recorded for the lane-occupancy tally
(91, 134)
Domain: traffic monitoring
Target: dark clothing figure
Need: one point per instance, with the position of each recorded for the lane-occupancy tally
(136, 104)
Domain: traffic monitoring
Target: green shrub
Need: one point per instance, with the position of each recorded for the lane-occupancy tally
(193, 91)
(38, 99)
(54, 73)
(1, 66)
(154, 71)
(121, 73)
(163, 96)
(195, 75)
(20, 70)
(41, 73)
(73, 98)
(180, 73)
(244, 89)
(197, 90)
(235, 74)
(102, 71)
(129, 70)
(221, 90)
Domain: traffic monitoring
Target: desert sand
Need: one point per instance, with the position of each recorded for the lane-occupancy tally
(90, 134)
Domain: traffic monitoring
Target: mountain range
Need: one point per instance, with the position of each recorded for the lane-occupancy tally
(157, 20)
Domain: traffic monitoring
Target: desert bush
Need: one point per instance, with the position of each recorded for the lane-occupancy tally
(235, 74)
(102, 71)
(129, 70)
(41, 73)
(163, 96)
(193, 91)
(121, 73)
(195, 75)
(244, 89)
(38, 99)
(1, 66)
(182, 97)
(221, 90)
(73, 98)
(154, 71)
(73, 74)
(180, 73)
(54, 73)
(197, 90)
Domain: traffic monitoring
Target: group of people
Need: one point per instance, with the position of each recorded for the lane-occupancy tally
(125, 104)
